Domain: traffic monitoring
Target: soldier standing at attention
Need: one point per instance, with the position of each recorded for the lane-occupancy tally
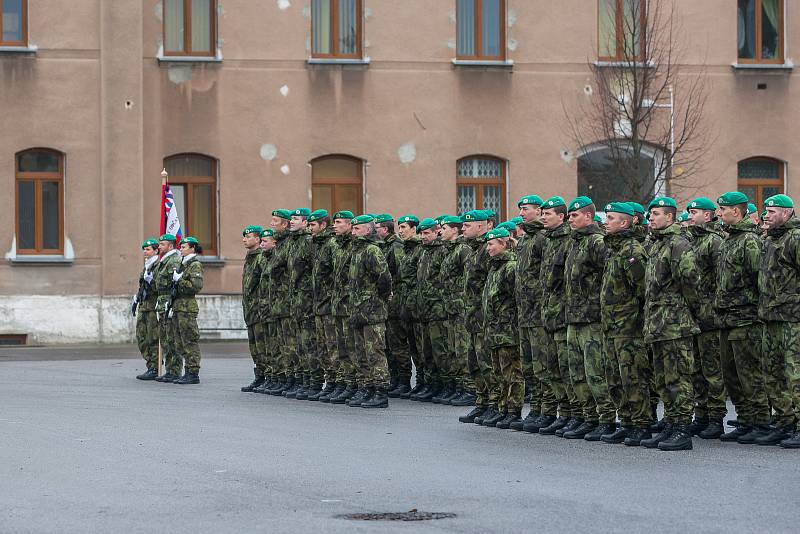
(302, 305)
(269, 325)
(323, 252)
(669, 324)
(145, 311)
(251, 277)
(405, 300)
(188, 280)
(280, 300)
(170, 260)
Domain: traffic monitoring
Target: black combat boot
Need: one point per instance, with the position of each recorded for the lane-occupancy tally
(293, 389)
(430, 394)
(403, 386)
(166, 378)
(653, 442)
(571, 425)
(658, 426)
(189, 378)
(467, 398)
(418, 387)
(758, 431)
(344, 396)
(601, 430)
(557, 424)
(264, 386)
(455, 394)
(509, 419)
(470, 417)
(714, 429)
(358, 397)
(698, 425)
(543, 422)
(493, 420)
(257, 381)
(393, 383)
(737, 432)
(445, 393)
(281, 384)
(581, 431)
(775, 435)
(636, 436)
(327, 397)
(151, 374)
(679, 440)
(491, 411)
(530, 418)
(792, 442)
(376, 398)
(617, 436)
(424, 390)
(329, 387)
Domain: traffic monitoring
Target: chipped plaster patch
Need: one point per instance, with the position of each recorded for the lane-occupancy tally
(407, 153)
(159, 10)
(512, 44)
(285, 170)
(511, 18)
(366, 43)
(367, 13)
(179, 74)
(284, 90)
(451, 43)
(268, 152)
(306, 12)
(452, 17)
(587, 90)
(283, 5)
(308, 43)
(566, 155)
(220, 10)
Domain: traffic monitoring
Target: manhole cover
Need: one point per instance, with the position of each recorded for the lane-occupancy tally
(413, 515)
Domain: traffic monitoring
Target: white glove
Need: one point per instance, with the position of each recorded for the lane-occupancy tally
(148, 277)
(176, 276)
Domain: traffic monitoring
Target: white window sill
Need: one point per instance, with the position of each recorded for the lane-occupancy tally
(30, 49)
(338, 61)
(788, 66)
(43, 259)
(625, 64)
(189, 59)
(498, 64)
(212, 261)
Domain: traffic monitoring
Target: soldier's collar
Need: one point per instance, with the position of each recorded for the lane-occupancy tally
(170, 253)
(188, 258)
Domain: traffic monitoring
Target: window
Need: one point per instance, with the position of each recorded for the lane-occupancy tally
(190, 27)
(481, 29)
(481, 185)
(760, 31)
(40, 202)
(607, 175)
(193, 180)
(337, 28)
(620, 30)
(14, 23)
(760, 178)
(337, 184)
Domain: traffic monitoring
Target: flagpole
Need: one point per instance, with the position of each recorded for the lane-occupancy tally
(164, 176)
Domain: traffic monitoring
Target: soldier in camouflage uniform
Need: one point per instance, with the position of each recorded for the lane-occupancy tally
(398, 352)
(188, 280)
(323, 252)
(280, 302)
(457, 254)
(370, 286)
(706, 238)
(583, 274)
(170, 260)
(622, 318)
(269, 326)
(404, 298)
(779, 308)
(669, 324)
(145, 311)
(251, 279)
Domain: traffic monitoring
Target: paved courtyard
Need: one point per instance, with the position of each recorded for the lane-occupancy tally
(84, 447)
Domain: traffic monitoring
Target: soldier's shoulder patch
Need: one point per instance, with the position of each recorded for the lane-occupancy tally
(631, 260)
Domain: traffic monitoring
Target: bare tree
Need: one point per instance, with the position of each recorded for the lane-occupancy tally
(643, 97)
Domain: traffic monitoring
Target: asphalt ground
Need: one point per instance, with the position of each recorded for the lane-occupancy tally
(84, 447)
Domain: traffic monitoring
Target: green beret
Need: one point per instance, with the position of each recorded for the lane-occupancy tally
(534, 200)
(427, 224)
(440, 218)
(344, 214)
(779, 201)
(410, 219)
(362, 219)
(763, 215)
(317, 215)
(620, 207)
(267, 233)
(283, 214)
(732, 198)
(637, 208)
(168, 237)
(452, 220)
(490, 214)
(578, 203)
(517, 220)
(553, 202)
(751, 208)
(475, 216)
(496, 233)
(383, 217)
(662, 202)
(303, 212)
(682, 217)
(508, 225)
(252, 229)
(190, 240)
(597, 218)
(150, 242)
(701, 203)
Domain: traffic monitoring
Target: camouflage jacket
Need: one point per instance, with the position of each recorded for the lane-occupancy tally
(457, 254)
(498, 303)
(670, 272)
(323, 250)
(530, 249)
(265, 287)
(475, 272)
(622, 290)
(280, 294)
(552, 276)
(370, 283)
(392, 248)
(706, 240)
(583, 274)
(430, 283)
(736, 298)
(162, 278)
(406, 284)
(251, 278)
(149, 302)
(641, 233)
(340, 294)
(301, 262)
(188, 286)
(779, 277)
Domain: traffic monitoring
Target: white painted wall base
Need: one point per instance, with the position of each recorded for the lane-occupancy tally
(95, 319)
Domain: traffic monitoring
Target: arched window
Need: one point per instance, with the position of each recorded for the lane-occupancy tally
(607, 175)
(193, 180)
(40, 201)
(760, 178)
(337, 184)
(481, 184)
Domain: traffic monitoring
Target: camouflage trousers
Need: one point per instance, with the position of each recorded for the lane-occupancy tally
(709, 387)
(327, 346)
(781, 367)
(346, 374)
(673, 364)
(533, 342)
(187, 340)
(510, 380)
(370, 345)
(288, 358)
(479, 364)
(587, 372)
(435, 352)
(309, 367)
(417, 342)
(256, 343)
(629, 379)
(740, 350)
(458, 347)
(147, 337)
(271, 347)
(168, 335)
(399, 337)
(562, 386)
(656, 386)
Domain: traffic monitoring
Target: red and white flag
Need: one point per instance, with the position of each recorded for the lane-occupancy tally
(169, 214)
